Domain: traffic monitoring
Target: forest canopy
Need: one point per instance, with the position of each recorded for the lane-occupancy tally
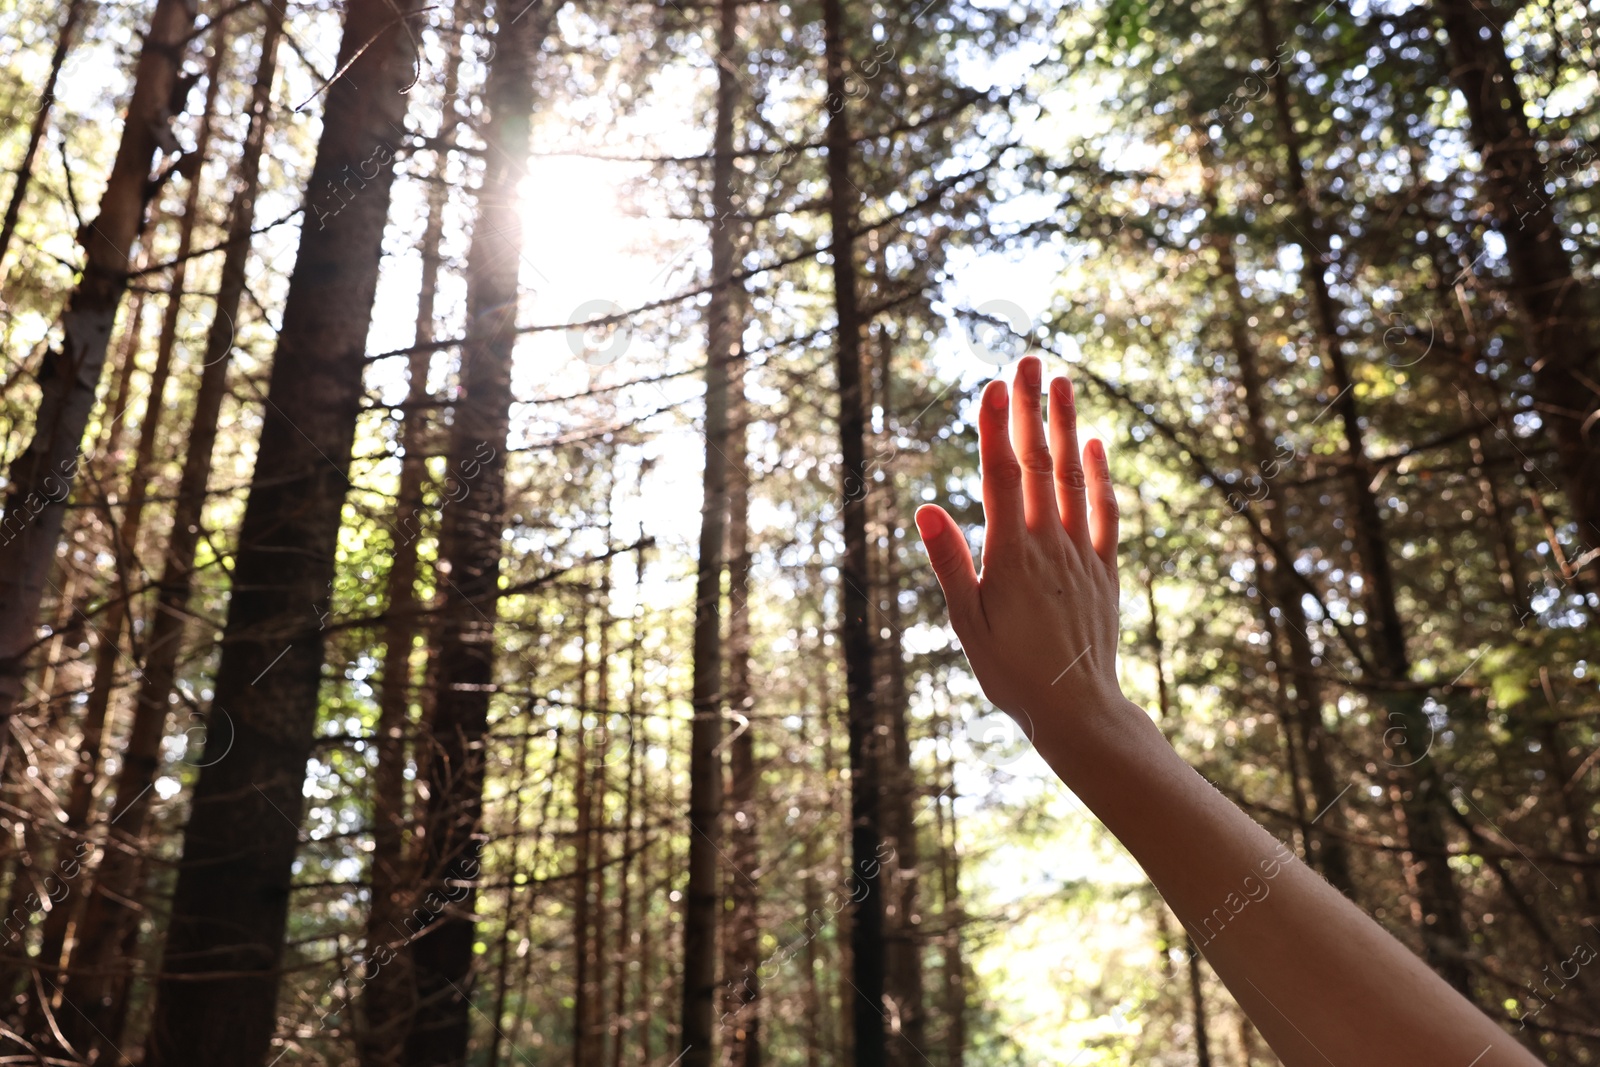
(458, 594)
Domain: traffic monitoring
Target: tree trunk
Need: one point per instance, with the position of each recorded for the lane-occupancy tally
(583, 953)
(1164, 716)
(903, 951)
(866, 914)
(41, 119)
(109, 913)
(472, 520)
(41, 477)
(702, 899)
(593, 1033)
(387, 994)
(70, 620)
(1325, 850)
(1560, 324)
(953, 917)
(1443, 928)
(622, 1020)
(507, 919)
(743, 951)
(108, 652)
(216, 1000)
(1197, 1004)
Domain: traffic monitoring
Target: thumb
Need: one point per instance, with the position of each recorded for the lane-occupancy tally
(952, 562)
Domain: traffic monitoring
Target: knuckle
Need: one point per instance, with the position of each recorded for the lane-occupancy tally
(1072, 477)
(1036, 460)
(1006, 474)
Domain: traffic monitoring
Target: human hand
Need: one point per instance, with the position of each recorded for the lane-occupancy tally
(1039, 626)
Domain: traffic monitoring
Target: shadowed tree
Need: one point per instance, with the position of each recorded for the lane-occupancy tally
(41, 477)
(94, 984)
(866, 911)
(471, 524)
(702, 898)
(217, 995)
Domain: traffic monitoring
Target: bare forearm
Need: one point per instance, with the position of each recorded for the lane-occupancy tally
(1322, 981)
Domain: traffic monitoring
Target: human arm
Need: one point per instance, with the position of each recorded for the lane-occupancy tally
(1323, 982)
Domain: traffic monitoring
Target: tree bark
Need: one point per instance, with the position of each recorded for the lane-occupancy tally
(743, 951)
(41, 477)
(583, 952)
(1197, 1004)
(472, 519)
(108, 651)
(702, 899)
(387, 995)
(903, 988)
(109, 910)
(953, 917)
(216, 1000)
(1325, 850)
(866, 912)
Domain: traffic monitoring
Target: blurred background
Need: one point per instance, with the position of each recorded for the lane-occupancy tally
(458, 597)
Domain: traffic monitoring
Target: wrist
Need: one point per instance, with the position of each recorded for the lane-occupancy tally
(1114, 743)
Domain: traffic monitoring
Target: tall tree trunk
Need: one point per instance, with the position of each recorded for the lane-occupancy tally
(1293, 742)
(1197, 1003)
(471, 523)
(584, 960)
(743, 949)
(1443, 929)
(953, 918)
(1560, 320)
(1165, 716)
(1325, 850)
(593, 1033)
(71, 616)
(903, 949)
(622, 1020)
(41, 477)
(866, 914)
(702, 899)
(110, 904)
(811, 1004)
(216, 1000)
(70, 619)
(387, 994)
(508, 916)
(108, 652)
(41, 119)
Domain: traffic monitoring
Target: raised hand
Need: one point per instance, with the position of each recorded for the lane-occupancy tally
(1039, 625)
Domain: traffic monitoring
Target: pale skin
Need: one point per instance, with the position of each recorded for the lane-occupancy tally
(1323, 982)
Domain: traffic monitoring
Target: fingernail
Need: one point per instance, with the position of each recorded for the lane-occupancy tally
(927, 522)
(996, 396)
(1031, 372)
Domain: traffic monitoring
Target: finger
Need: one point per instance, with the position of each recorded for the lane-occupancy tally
(952, 563)
(1069, 469)
(1033, 454)
(1002, 476)
(1103, 522)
